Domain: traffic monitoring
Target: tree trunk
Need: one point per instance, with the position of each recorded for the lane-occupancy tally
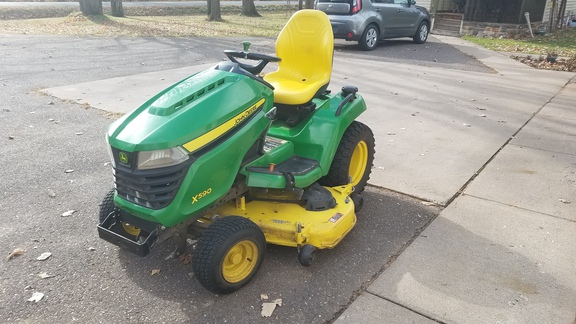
(552, 25)
(215, 14)
(249, 9)
(116, 7)
(91, 7)
(209, 3)
(561, 13)
(309, 4)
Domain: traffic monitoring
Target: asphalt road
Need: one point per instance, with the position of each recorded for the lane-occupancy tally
(94, 282)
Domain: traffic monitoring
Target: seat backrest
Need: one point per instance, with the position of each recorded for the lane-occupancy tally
(306, 46)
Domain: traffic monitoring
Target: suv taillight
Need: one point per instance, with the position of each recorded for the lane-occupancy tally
(356, 5)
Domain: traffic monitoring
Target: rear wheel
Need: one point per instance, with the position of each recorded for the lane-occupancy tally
(369, 38)
(229, 254)
(358, 200)
(353, 159)
(421, 33)
(107, 207)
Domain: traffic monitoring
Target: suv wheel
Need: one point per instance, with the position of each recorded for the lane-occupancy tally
(369, 38)
(421, 33)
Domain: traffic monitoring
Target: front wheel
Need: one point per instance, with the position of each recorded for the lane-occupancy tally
(421, 33)
(107, 207)
(369, 38)
(229, 254)
(352, 162)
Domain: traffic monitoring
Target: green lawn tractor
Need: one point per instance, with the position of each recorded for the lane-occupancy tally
(239, 160)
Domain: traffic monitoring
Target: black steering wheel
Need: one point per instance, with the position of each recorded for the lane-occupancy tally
(252, 68)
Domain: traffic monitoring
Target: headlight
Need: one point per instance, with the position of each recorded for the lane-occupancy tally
(161, 158)
(111, 155)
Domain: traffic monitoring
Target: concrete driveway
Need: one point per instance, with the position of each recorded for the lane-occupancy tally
(438, 122)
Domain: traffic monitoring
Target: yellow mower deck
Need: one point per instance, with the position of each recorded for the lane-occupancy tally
(290, 224)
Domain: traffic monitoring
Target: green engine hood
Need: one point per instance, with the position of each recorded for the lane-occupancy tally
(187, 110)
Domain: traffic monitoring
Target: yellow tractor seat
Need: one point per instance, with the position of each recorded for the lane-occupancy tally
(306, 46)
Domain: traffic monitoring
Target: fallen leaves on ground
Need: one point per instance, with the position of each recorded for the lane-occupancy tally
(77, 24)
(540, 62)
(185, 259)
(268, 308)
(68, 213)
(36, 297)
(15, 253)
(45, 275)
(44, 256)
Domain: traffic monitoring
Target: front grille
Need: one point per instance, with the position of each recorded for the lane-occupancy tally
(153, 189)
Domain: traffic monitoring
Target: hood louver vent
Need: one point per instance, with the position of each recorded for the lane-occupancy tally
(172, 100)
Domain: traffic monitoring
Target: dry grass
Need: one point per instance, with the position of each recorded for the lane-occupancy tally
(159, 22)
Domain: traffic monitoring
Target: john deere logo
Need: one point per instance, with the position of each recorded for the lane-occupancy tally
(123, 157)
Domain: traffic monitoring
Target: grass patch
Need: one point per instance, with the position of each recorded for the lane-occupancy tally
(562, 42)
(157, 22)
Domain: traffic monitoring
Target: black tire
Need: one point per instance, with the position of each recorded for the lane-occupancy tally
(421, 33)
(106, 207)
(369, 39)
(228, 238)
(358, 201)
(357, 136)
(306, 255)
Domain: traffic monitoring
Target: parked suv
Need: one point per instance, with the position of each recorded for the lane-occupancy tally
(368, 21)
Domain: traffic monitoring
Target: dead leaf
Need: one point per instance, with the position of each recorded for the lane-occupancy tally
(45, 275)
(564, 201)
(263, 297)
(185, 258)
(36, 297)
(268, 308)
(44, 256)
(15, 253)
(68, 213)
(51, 193)
(154, 272)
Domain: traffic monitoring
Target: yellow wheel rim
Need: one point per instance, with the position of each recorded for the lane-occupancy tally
(358, 163)
(240, 261)
(131, 230)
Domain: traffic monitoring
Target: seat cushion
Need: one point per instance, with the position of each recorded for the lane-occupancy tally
(306, 46)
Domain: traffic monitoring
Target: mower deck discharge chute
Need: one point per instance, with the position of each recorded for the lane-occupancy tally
(239, 160)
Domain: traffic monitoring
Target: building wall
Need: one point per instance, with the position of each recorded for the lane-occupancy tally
(424, 3)
(570, 9)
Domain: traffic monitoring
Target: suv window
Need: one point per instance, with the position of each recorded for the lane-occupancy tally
(339, 7)
(337, 1)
